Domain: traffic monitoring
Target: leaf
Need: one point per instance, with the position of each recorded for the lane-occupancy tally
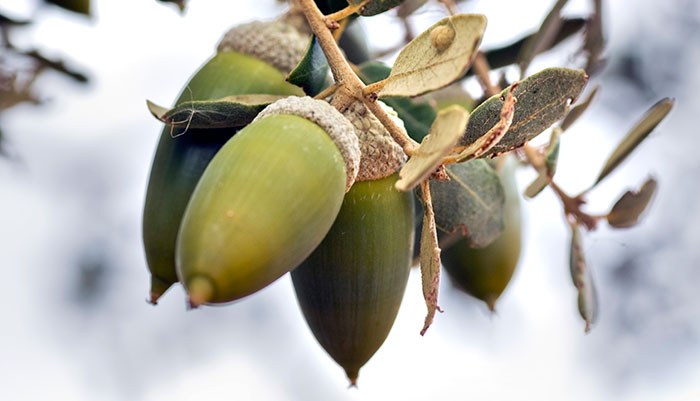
(408, 7)
(471, 202)
(495, 134)
(417, 114)
(578, 110)
(626, 211)
(76, 6)
(311, 73)
(435, 58)
(581, 276)
(179, 3)
(543, 99)
(429, 259)
(636, 135)
(594, 41)
(374, 7)
(546, 172)
(231, 111)
(507, 55)
(444, 133)
(544, 36)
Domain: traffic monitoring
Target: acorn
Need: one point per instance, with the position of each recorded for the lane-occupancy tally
(266, 200)
(484, 273)
(351, 286)
(179, 161)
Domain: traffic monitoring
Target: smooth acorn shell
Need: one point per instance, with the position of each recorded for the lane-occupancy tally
(263, 204)
(351, 286)
(485, 272)
(179, 162)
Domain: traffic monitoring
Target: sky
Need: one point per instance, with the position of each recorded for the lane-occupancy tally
(75, 322)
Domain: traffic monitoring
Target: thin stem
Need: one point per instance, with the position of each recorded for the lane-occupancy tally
(349, 85)
(450, 5)
(346, 12)
(482, 71)
(327, 92)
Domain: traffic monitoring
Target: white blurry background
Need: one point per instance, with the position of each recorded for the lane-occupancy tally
(74, 321)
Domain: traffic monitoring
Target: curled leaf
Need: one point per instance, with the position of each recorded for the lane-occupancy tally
(543, 99)
(626, 211)
(581, 276)
(422, 66)
(231, 111)
(471, 203)
(179, 3)
(429, 259)
(636, 135)
(494, 135)
(311, 73)
(444, 133)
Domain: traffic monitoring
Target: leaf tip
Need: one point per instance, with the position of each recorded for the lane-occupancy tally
(157, 111)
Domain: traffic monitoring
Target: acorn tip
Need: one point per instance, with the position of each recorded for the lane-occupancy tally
(352, 376)
(199, 291)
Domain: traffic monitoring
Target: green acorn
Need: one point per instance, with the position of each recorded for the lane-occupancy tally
(351, 286)
(266, 200)
(485, 272)
(179, 161)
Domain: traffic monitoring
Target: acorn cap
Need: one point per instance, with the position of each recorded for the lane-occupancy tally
(274, 42)
(381, 155)
(330, 120)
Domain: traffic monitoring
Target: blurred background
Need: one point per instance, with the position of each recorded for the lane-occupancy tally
(75, 321)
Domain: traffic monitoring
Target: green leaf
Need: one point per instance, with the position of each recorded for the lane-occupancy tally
(471, 202)
(444, 133)
(626, 211)
(417, 114)
(543, 99)
(231, 111)
(636, 135)
(311, 74)
(374, 7)
(581, 276)
(578, 110)
(429, 262)
(544, 37)
(494, 135)
(435, 58)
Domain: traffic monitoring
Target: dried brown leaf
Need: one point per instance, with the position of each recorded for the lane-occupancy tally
(429, 259)
(626, 211)
(444, 133)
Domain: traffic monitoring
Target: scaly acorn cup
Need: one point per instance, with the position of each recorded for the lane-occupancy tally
(351, 286)
(484, 273)
(266, 200)
(179, 161)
